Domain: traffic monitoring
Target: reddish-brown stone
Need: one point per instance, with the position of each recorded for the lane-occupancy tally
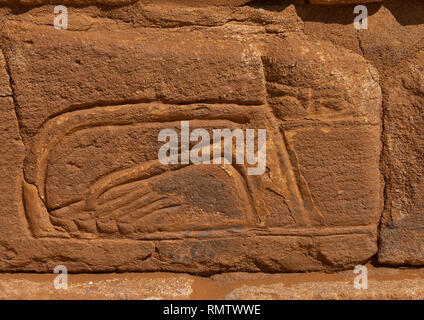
(338, 2)
(81, 110)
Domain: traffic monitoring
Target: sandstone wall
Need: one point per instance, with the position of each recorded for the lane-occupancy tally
(81, 110)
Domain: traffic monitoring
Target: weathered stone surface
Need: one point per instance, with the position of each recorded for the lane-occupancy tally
(83, 69)
(334, 290)
(392, 44)
(83, 108)
(402, 229)
(383, 284)
(113, 287)
(185, 2)
(332, 2)
(90, 124)
(65, 2)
